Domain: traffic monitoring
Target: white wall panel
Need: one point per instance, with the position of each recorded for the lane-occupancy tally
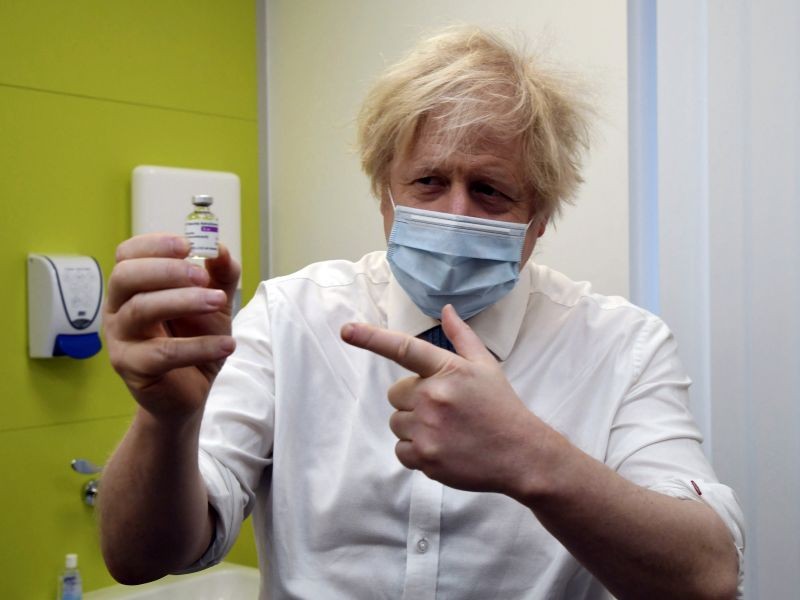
(322, 57)
(728, 79)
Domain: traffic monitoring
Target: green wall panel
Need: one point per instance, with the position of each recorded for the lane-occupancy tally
(67, 164)
(89, 89)
(198, 55)
(43, 516)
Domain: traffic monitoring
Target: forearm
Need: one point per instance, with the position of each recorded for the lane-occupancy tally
(153, 508)
(461, 423)
(639, 543)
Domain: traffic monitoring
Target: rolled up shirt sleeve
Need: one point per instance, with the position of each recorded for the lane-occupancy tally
(236, 435)
(722, 500)
(229, 502)
(655, 442)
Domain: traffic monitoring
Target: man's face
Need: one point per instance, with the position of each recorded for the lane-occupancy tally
(485, 183)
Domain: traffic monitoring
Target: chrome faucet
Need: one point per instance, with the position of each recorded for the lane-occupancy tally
(92, 487)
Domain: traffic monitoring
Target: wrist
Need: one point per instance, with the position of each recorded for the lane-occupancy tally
(168, 430)
(545, 469)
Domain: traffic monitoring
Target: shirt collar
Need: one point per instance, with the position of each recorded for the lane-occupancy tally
(497, 325)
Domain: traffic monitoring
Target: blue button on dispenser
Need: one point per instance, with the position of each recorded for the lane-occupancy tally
(77, 346)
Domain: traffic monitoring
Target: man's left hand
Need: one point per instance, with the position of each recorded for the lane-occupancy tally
(458, 419)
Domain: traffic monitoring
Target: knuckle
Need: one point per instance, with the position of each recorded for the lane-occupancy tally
(181, 273)
(408, 453)
(404, 348)
(135, 308)
(167, 350)
(123, 362)
(394, 395)
(431, 419)
(172, 270)
(454, 367)
(404, 455)
(119, 253)
(438, 393)
(116, 357)
(368, 337)
(394, 426)
(106, 309)
(428, 450)
(117, 273)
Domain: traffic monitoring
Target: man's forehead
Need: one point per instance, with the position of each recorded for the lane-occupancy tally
(436, 149)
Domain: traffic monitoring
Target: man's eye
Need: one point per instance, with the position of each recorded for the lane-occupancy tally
(487, 190)
(430, 180)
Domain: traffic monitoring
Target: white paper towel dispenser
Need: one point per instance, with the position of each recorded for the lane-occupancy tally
(161, 198)
(65, 294)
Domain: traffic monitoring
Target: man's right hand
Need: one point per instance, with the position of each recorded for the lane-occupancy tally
(167, 322)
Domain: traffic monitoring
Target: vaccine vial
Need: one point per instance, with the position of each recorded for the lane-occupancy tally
(202, 229)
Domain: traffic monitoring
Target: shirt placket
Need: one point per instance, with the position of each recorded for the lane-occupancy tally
(422, 545)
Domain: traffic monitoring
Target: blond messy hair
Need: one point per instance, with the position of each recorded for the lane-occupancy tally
(472, 86)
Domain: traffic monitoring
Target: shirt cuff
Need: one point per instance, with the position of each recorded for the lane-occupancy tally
(722, 500)
(226, 497)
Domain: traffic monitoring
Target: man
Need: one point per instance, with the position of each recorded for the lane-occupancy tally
(541, 449)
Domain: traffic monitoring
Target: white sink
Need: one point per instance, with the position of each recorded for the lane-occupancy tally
(225, 581)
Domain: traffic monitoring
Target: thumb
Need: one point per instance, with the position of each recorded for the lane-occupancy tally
(465, 341)
(224, 271)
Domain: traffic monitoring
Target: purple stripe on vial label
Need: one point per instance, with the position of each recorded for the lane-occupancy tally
(208, 228)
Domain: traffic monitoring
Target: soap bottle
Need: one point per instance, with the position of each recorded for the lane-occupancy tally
(70, 587)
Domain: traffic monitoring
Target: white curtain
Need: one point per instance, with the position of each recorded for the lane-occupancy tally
(715, 242)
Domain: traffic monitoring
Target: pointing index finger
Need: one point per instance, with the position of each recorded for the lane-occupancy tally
(414, 354)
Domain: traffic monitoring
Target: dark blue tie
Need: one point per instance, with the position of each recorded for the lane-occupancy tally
(436, 336)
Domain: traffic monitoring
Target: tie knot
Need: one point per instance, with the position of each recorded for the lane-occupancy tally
(436, 336)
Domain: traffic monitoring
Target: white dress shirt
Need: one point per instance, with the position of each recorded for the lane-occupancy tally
(296, 432)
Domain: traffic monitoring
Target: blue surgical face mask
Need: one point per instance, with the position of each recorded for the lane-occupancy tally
(441, 259)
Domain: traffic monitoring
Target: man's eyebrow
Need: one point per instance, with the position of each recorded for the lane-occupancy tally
(497, 171)
(427, 162)
(442, 163)
(499, 174)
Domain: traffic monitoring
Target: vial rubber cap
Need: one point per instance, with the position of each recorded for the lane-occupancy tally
(202, 200)
(71, 561)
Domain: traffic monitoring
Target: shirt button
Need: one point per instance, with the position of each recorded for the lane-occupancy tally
(422, 546)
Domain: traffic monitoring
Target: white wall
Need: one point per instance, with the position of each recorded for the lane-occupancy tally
(322, 57)
(728, 181)
(721, 248)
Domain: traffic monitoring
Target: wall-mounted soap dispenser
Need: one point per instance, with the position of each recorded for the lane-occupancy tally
(64, 298)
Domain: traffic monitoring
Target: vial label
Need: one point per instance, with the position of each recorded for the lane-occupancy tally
(203, 237)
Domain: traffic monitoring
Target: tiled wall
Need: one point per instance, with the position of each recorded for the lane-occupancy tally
(88, 90)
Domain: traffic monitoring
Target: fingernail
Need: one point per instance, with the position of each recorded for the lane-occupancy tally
(197, 275)
(227, 344)
(347, 332)
(180, 246)
(215, 297)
